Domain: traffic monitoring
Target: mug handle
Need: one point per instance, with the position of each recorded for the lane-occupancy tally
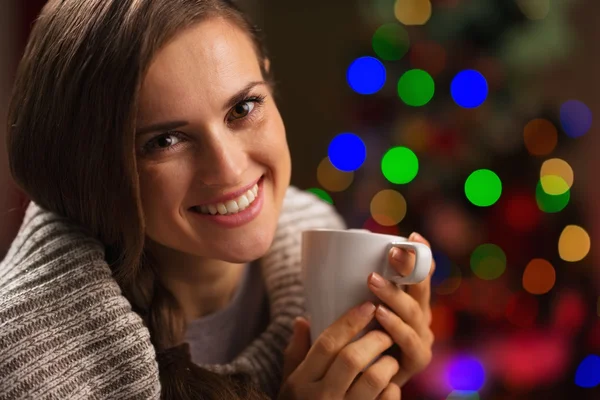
(422, 263)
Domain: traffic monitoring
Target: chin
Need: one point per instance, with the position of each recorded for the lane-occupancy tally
(245, 251)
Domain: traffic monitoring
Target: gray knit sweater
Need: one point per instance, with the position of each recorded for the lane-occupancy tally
(66, 331)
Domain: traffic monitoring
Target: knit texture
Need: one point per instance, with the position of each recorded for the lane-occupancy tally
(67, 332)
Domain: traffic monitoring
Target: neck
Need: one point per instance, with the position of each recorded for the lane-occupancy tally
(201, 286)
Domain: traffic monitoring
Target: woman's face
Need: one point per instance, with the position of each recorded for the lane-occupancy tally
(212, 156)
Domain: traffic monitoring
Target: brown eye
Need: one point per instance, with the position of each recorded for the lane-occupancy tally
(242, 109)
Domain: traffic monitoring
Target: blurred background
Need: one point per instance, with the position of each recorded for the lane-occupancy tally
(472, 122)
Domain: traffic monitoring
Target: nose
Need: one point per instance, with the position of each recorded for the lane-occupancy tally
(222, 160)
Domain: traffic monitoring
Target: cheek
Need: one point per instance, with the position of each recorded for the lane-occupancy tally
(163, 189)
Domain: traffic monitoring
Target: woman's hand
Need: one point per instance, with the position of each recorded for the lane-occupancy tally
(407, 317)
(331, 368)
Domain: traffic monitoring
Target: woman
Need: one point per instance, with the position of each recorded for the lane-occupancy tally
(160, 252)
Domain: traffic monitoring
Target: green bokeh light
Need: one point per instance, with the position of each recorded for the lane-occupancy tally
(416, 87)
(390, 42)
(400, 165)
(483, 188)
(488, 261)
(323, 195)
(463, 395)
(550, 203)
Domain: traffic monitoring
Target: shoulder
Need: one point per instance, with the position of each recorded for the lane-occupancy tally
(65, 328)
(304, 210)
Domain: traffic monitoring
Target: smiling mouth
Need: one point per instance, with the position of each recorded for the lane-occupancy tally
(232, 206)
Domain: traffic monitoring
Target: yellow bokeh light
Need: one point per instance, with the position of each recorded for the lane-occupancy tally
(332, 178)
(539, 276)
(540, 137)
(413, 132)
(388, 207)
(556, 176)
(413, 12)
(574, 243)
(534, 9)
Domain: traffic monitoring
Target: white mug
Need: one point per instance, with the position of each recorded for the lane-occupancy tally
(336, 265)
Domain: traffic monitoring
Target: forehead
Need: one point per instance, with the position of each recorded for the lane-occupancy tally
(212, 59)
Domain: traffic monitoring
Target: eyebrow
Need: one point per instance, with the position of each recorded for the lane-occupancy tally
(169, 125)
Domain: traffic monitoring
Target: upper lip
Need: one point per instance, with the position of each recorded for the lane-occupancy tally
(230, 195)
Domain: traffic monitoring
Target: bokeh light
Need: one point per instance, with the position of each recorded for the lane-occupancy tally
(323, 195)
(540, 137)
(390, 42)
(588, 372)
(522, 309)
(574, 243)
(483, 188)
(521, 212)
(575, 118)
(443, 267)
(388, 207)
(466, 374)
(549, 203)
(347, 152)
(416, 87)
(539, 276)
(463, 395)
(366, 75)
(451, 283)
(488, 261)
(534, 9)
(413, 131)
(429, 56)
(443, 322)
(331, 178)
(570, 312)
(469, 88)
(556, 176)
(373, 226)
(400, 165)
(412, 12)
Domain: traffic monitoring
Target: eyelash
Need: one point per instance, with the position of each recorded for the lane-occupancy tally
(258, 100)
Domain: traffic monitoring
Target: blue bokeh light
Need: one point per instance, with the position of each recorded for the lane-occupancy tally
(469, 88)
(347, 152)
(466, 373)
(575, 118)
(443, 267)
(366, 75)
(588, 372)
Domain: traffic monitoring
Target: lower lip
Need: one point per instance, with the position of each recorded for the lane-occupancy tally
(240, 218)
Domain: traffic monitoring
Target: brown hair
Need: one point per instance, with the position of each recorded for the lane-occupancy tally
(71, 148)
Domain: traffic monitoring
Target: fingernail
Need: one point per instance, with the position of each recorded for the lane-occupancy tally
(382, 311)
(415, 236)
(367, 309)
(377, 281)
(397, 254)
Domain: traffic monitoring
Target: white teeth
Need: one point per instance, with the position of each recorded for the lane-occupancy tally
(221, 209)
(231, 206)
(243, 202)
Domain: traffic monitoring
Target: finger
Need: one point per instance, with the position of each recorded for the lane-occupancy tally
(298, 347)
(354, 358)
(402, 260)
(374, 380)
(333, 339)
(416, 353)
(421, 291)
(391, 392)
(400, 302)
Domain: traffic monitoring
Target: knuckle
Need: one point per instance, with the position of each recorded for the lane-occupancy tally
(374, 379)
(414, 311)
(382, 339)
(326, 344)
(351, 358)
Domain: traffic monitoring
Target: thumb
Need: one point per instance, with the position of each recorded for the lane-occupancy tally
(298, 347)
